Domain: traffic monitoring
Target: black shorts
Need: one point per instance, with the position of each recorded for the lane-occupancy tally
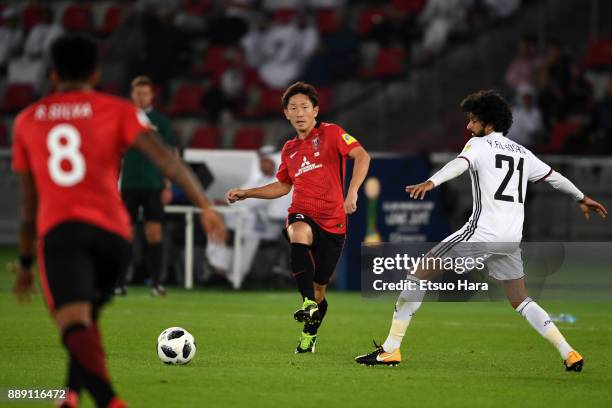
(326, 248)
(148, 199)
(80, 262)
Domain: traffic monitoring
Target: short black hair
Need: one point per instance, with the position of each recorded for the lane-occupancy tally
(300, 88)
(490, 108)
(74, 57)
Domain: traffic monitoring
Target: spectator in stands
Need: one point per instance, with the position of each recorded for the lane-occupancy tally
(579, 98)
(286, 48)
(263, 220)
(601, 121)
(42, 35)
(439, 18)
(524, 68)
(31, 67)
(168, 50)
(126, 51)
(527, 126)
(228, 94)
(554, 78)
(557, 64)
(11, 38)
(328, 4)
(502, 8)
(280, 4)
(143, 186)
(253, 41)
(232, 23)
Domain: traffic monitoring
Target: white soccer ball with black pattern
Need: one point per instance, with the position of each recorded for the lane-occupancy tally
(176, 345)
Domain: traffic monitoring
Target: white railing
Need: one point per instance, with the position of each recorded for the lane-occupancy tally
(235, 277)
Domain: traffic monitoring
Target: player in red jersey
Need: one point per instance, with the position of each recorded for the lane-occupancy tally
(67, 150)
(313, 163)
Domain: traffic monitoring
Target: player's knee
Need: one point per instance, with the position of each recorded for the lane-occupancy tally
(153, 232)
(73, 313)
(300, 233)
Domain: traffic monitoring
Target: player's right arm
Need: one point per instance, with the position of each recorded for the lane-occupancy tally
(269, 191)
(173, 168)
(24, 280)
(277, 189)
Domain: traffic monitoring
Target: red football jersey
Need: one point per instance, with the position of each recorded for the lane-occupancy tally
(316, 166)
(72, 142)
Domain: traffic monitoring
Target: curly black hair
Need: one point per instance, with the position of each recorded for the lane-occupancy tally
(490, 108)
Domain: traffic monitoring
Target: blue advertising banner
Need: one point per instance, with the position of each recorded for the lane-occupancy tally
(386, 213)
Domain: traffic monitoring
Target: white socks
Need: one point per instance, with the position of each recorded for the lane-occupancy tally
(407, 304)
(540, 320)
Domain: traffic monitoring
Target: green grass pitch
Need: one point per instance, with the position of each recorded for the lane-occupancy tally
(454, 354)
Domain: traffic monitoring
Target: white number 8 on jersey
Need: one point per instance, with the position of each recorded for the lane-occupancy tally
(69, 152)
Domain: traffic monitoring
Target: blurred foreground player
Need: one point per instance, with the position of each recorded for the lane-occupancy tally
(313, 163)
(500, 170)
(67, 150)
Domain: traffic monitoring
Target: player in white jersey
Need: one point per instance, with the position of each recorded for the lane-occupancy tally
(500, 170)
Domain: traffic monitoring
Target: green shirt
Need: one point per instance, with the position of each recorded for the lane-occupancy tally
(138, 171)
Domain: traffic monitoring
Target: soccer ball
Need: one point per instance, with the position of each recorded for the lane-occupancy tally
(176, 345)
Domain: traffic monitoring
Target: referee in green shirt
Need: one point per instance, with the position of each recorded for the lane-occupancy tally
(143, 186)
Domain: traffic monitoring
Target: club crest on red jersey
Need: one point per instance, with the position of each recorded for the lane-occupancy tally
(316, 143)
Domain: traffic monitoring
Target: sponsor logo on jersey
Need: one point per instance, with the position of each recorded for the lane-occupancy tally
(306, 166)
(348, 139)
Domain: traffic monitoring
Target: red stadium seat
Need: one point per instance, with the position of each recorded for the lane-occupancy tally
(111, 19)
(31, 16)
(4, 139)
(205, 138)
(284, 15)
(368, 18)
(196, 7)
(559, 136)
(77, 17)
(327, 21)
(560, 133)
(248, 138)
(213, 62)
(409, 6)
(599, 53)
(325, 99)
(390, 61)
(271, 101)
(187, 99)
(17, 96)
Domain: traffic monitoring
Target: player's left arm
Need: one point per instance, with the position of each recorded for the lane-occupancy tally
(360, 171)
(24, 281)
(587, 204)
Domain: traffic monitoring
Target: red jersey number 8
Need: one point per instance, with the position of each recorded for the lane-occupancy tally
(63, 143)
